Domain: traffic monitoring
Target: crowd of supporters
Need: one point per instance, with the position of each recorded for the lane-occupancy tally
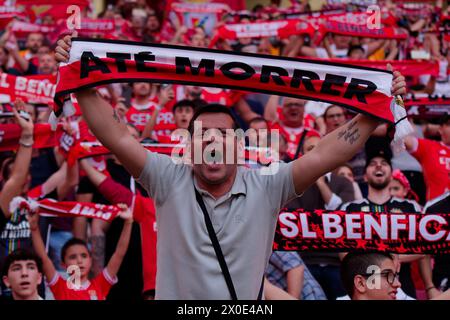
(116, 259)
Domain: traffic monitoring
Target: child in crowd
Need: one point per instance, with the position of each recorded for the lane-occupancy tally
(76, 258)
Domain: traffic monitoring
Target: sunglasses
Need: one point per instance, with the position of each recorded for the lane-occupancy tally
(390, 275)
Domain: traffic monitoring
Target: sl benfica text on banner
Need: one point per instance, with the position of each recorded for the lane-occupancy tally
(406, 233)
(95, 62)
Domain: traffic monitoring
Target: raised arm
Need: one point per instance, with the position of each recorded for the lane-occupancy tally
(104, 122)
(95, 176)
(122, 246)
(270, 110)
(342, 144)
(39, 247)
(18, 177)
(165, 96)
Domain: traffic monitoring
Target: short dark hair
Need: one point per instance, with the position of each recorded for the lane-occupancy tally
(21, 255)
(212, 108)
(357, 263)
(445, 119)
(184, 103)
(325, 114)
(72, 242)
(354, 48)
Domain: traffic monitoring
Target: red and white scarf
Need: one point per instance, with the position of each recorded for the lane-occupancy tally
(38, 89)
(44, 137)
(96, 62)
(279, 28)
(53, 208)
(336, 231)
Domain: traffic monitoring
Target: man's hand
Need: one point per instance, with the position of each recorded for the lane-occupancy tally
(398, 83)
(63, 48)
(22, 117)
(433, 293)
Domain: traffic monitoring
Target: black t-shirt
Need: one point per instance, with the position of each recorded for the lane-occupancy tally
(440, 205)
(394, 205)
(15, 234)
(3, 220)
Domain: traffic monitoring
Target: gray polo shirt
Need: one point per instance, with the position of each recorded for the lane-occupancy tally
(244, 220)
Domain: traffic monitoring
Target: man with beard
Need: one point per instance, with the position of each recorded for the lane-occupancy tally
(378, 175)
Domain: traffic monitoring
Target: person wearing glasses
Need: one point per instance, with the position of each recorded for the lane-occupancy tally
(371, 276)
(374, 276)
(378, 175)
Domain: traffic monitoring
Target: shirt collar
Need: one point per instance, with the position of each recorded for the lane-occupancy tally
(239, 186)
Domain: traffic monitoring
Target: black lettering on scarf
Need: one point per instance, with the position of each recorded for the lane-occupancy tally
(332, 80)
(304, 76)
(360, 92)
(86, 68)
(266, 74)
(227, 67)
(183, 62)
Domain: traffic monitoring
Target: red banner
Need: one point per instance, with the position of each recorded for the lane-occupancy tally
(413, 68)
(279, 28)
(44, 137)
(37, 9)
(50, 207)
(426, 100)
(341, 231)
(95, 62)
(32, 89)
(88, 28)
(357, 25)
(22, 29)
(428, 111)
(8, 13)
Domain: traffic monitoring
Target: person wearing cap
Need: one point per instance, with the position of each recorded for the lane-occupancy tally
(434, 156)
(400, 187)
(378, 175)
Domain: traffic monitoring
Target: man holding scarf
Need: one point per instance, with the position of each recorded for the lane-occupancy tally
(242, 204)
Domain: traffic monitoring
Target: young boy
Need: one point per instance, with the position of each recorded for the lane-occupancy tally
(77, 260)
(373, 276)
(22, 273)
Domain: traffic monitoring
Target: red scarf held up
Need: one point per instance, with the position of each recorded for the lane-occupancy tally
(95, 62)
(38, 89)
(339, 231)
(44, 137)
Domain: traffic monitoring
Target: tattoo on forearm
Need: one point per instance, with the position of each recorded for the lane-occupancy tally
(350, 134)
(116, 116)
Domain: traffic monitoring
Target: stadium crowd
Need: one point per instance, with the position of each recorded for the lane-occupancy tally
(43, 256)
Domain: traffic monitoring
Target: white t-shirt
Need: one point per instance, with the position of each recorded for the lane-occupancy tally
(401, 295)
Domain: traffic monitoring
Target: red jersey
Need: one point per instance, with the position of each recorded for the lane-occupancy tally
(144, 214)
(97, 289)
(139, 115)
(308, 120)
(434, 157)
(165, 124)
